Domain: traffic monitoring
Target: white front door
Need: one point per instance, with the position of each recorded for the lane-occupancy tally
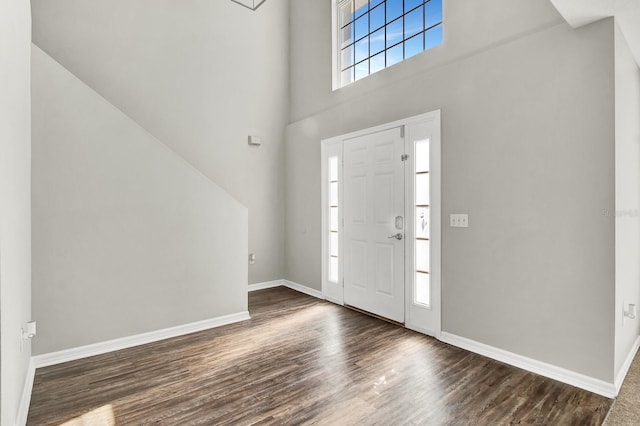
(374, 234)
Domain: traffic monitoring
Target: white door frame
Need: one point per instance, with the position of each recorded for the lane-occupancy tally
(333, 291)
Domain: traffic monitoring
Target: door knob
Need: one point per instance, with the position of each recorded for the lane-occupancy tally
(398, 236)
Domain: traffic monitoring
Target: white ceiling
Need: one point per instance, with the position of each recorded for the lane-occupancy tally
(627, 13)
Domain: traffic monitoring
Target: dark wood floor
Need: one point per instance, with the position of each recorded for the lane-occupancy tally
(303, 361)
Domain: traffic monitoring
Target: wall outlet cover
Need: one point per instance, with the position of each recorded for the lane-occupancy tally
(459, 220)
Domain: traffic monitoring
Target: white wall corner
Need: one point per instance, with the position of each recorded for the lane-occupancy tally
(534, 366)
(303, 289)
(627, 365)
(73, 354)
(25, 401)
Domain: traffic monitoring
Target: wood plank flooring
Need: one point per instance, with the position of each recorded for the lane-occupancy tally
(298, 361)
(626, 409)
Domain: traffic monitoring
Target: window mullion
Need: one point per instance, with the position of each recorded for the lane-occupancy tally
(414, 23)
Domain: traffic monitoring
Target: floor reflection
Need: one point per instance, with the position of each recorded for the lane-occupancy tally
(102, 416)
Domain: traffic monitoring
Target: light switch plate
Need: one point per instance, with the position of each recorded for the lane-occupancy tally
(457, 220)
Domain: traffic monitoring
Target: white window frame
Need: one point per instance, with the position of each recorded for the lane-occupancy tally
(335, 75)
(335, 51)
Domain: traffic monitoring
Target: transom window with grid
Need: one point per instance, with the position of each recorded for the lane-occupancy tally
(375, 34)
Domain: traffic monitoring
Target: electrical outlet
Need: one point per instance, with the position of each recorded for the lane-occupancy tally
(629, 312)
(27, 333)
(457, 220)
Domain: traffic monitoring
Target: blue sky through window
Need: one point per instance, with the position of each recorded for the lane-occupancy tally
(376, 34)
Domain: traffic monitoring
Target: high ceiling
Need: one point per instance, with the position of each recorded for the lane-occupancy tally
(627, 13)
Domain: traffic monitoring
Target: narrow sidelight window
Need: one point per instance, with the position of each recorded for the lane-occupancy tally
(333, 220)
(422, 290)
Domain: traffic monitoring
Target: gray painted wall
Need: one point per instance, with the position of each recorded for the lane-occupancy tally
(470, 27)
(627, 218)
(527, 130)
(199, 75)
(127, 237)
(15, 202)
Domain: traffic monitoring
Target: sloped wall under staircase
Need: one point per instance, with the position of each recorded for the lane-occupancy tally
(128, 237)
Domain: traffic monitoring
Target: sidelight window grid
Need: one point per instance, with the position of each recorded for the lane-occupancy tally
(375, 34)
(422, 286)
(333, 221)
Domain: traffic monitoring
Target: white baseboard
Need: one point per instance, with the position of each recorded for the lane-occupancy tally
(25, 401)
(627, 365)
(303, 289)
(548, 370)
(426, 331)
(73, 354)
(268, 284)
(289, 284)
(137, 340)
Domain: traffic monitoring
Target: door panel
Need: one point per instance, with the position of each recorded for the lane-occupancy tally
(384, 208)
(358, 258)
(384, 269)
(373, 198)
(358, 199)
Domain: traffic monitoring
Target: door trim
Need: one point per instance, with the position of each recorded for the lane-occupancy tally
(331, 291)
(418, 318)
(333, 147)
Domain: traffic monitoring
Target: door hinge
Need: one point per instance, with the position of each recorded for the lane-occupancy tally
(402, 131)
(404, 157)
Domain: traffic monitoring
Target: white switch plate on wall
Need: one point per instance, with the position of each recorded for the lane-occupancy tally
(457, 220)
